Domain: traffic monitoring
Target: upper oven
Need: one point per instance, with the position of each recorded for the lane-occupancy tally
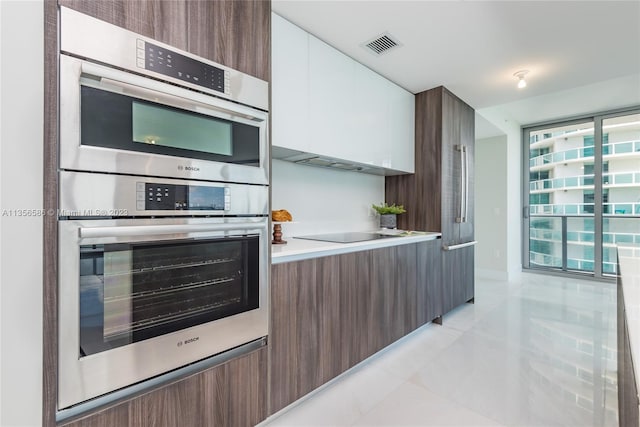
(150, 111)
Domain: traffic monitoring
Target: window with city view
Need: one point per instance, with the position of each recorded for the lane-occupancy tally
(583, 193)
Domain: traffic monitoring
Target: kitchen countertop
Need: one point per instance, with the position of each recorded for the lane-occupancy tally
(300, 249)
(629, 259)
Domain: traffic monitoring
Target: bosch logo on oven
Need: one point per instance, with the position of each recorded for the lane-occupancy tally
(188, 168)
(188, 341)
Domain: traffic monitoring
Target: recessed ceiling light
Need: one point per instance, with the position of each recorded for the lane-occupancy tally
(522, 83)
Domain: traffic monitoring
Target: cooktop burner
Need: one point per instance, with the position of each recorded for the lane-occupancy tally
(351, 237)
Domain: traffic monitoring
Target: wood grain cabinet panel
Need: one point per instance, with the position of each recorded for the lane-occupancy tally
(305, 332)
(162, 20)
(328, 314)
(231, 394)
(429, 282)
(233, 33)
(433, 194)
(628, 401)
(457, 277)
(406, 288)
(355, 279)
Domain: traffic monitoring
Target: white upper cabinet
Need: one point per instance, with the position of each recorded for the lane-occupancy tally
(325, 103)
(331, 100)
(400, 145)
(289, 85)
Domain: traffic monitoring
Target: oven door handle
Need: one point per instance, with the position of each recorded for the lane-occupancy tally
(127, 84)
(153, 230)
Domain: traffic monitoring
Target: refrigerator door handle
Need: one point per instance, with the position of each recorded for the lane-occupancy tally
(466, 184)
(458, 246)
(461, 216)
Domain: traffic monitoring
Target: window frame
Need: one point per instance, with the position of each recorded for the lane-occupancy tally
(597, 119)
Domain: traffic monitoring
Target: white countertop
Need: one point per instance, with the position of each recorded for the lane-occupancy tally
(299, 249)
(629, 259)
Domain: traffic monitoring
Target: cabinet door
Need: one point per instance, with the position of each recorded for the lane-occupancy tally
(290, 86)
(457, 277)
(305, 328)
(392, 295)
(331, 101)
(165, 21)
(405, 286)
(628, 404)
(429, 281)
(233, 33)
(451, 170)
(355, 279)
(399, 147)
(369, 117)
(293, 338)
(233, 393)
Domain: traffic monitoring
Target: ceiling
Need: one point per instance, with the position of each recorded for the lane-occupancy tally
(582, 56)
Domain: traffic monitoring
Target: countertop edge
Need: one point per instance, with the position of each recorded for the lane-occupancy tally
(322, 249)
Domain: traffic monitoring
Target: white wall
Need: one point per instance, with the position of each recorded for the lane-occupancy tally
(21, 136)
(323, 200)
(513, 196)
(491, 207)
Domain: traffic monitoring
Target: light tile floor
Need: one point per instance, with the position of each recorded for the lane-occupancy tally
(539, 351)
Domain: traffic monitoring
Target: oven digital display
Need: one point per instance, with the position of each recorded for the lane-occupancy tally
(169, 197)
(169, 127)
(172, 64)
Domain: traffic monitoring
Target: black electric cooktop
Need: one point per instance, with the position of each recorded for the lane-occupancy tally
(351, 237)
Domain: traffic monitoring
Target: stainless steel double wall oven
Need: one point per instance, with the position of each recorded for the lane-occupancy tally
(163, 209)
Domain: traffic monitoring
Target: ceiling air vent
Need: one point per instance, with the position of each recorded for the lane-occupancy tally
(381, 44)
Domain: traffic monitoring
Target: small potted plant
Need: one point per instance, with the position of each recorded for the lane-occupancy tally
(388, 214)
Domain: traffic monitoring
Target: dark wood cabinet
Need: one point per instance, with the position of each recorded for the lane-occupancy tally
(233, 33)
(162, 20)
(457, 277)
(231, 394)
(628, 400)
(330, 313)
(305, 338)
(436, 195)
(429, 282)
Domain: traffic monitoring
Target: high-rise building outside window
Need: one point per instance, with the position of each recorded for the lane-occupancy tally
(582, 193)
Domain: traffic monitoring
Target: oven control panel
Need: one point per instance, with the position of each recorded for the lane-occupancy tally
(164, 61)
(172, 197)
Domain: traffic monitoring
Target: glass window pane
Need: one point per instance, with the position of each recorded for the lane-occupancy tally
(563, 179)
(545, 242)
(580, 247)
(621, 225)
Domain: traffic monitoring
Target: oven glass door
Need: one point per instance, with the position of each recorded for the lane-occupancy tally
(116, 121)
(130, 292)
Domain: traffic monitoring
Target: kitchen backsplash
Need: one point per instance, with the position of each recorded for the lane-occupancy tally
(324, 200)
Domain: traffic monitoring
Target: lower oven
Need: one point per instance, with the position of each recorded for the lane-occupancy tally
(141, 297)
